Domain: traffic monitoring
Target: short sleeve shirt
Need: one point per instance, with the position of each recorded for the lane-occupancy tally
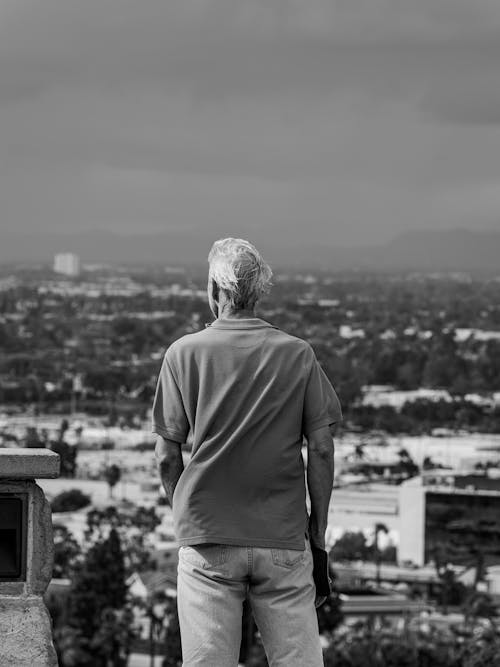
(244, 394)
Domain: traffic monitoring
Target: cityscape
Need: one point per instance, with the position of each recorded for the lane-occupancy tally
(413, 529)
(338, 165)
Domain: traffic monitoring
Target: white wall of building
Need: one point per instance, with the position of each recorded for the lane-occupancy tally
(67, 263)
(412, 521)
(360, 509)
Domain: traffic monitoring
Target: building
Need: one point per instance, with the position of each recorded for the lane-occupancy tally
(443, 514)
(67, 263)
(449, 517)
(359, 507)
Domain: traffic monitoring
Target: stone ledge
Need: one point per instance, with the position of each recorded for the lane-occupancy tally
(28, 463)
(25, 629)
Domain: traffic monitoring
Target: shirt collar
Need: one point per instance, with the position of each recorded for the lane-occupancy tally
(240, 324)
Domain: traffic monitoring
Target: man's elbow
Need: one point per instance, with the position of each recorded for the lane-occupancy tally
(160, 449)
(320, 444)
(166, 451)
(323, 455)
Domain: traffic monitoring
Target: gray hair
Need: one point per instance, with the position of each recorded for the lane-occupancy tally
(238, 268)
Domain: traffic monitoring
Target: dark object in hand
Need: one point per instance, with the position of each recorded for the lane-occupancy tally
(320, 571)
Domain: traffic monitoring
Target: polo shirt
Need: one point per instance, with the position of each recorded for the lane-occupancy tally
(244, 393)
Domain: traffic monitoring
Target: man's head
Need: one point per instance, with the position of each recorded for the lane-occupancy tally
(237, 275)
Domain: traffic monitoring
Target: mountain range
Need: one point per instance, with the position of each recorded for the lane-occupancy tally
(428, 250)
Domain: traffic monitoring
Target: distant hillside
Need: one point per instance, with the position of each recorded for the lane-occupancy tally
(455, 250)
(429, 251)
(97, 246)
(446, 250)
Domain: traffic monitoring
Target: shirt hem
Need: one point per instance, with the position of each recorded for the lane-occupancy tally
(168, 433)
(327, 421)
(241, 542)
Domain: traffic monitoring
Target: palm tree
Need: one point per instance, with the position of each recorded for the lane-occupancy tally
(379, 528)
(112, 475)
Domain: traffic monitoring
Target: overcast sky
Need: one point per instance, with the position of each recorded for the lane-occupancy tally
(344, 120)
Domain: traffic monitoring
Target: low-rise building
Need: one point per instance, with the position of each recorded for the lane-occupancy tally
(443, 514)
(450, 517)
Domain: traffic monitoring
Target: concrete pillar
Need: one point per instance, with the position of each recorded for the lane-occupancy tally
(26, 558)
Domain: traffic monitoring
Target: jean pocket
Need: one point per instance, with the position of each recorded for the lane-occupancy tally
(288, 558)
(206, 556)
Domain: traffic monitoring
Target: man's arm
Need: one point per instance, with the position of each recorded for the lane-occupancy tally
(320, 469)
(169, 458)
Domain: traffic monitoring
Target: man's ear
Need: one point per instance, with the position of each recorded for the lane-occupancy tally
(214, 290)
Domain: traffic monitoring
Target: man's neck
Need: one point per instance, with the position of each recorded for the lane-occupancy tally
(227, 313)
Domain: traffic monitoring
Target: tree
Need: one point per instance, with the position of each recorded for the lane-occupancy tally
(452, 591)
(428, 463)
(99, 584)
(66, 452)
(134, 525)
(112, 642)
(379, 528)
(72, 647)
(359, 451)
(172, 635)
(70, 501)
(471, 541)
(406, 464)
(112, 475)
(32, 438)
(389, 554)
(480, 651)
(66, 552)
(480, 605)
(387, 647)
(351, 546)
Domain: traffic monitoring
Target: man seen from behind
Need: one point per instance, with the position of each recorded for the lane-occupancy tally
(247, 394)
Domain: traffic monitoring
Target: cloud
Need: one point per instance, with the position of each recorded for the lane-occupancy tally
(466, 90)
(224, 45)
(312, 117)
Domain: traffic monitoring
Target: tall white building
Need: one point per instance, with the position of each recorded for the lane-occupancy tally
(67, 263)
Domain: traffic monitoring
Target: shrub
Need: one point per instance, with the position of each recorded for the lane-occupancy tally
(70, 501)
(362, 647)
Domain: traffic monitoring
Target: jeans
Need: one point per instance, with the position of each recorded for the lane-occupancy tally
(213, 581)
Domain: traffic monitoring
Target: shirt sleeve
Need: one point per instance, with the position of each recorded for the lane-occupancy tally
(321, 403)
(168, 415)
